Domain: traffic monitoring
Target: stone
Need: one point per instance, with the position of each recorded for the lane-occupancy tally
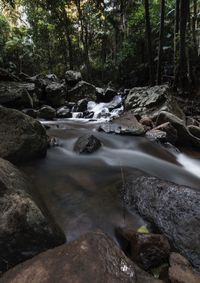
(92, 258)
(24, 230)
(156, 136)
(30, 112)
(82, 105)
(171, 132)
(184, 136)
(63, 112)
(82, 90)
(127, 124)
(72, 77)
(87, 144)
(106, 95)
(147, 250)
(146, 121)
(47, 113)
(181, 271)
(15, 95)
(55, 94)
(22, 138)
(172, 208)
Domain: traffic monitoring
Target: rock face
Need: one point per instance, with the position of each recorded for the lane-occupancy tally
(55, 94)
(24, 231)
(21, 137)
(147, 250)
(87, 144)
(151, 100)
(82, 90)
(72, 77)
(184, 136)
(127, 124)
(92, 258)
(15, 95)
(181, 271)
(174, 209)
(47, 112)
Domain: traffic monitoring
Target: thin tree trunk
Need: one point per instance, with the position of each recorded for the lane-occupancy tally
(148, 34)
(176, 32)
(161, 39)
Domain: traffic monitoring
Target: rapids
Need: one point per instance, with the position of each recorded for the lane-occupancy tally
(84, 192)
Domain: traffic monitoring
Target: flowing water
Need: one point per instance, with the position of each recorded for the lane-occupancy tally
(83, 192)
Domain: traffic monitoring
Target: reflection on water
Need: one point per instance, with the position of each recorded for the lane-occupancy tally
(83, 192)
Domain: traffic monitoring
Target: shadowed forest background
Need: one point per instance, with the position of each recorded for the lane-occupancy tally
(129, 43)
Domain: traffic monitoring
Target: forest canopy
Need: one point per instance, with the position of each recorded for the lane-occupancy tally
(123, 41)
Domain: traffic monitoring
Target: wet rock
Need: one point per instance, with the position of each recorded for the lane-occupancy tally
(55, 94)
(171, 132)
(25, 231)
(127, 124)
(30, 112)
(181, 271)
(106, 95)
(47, 113)
(194, 130)
(146, 121)
(92, 258)
(15, 95)
(88, 114)
(82, 105)
(147, 250)
(82, 90)
(63, 112)
(173, 209)
(185, 137)
(87, 144)
(22, 138)
(72, 77)
(152, 100)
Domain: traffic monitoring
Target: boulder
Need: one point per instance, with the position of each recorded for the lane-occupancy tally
(82, 90)
(171, 132)
(152, 100)
(127, 124)
(105, 95)
(82, 105)
(15, 95)
(146, 121)
(172, 208)
(63, 112)
(146, 249)
(184, 136)
(87, 144)
(181, 271)
(157, 136)
(22, 138)
(24, 230)
(47, 113)
(72, 77)
(92, 258)
(55, 94)
(30, 112)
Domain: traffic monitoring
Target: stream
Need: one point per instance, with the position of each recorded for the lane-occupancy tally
(84, 192)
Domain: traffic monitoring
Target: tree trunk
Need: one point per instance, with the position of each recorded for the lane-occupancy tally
(161, 39)
(148, 35)
(176, 32)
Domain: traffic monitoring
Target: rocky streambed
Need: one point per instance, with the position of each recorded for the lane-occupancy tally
(120, 191)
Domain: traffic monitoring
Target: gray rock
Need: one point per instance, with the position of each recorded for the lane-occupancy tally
(106, 95)
(72, 77)
(47, 113)
(173, 209)
(82, 105)
(82, 90)
(87, 144)
(64, 112)
(24, 230)
(15, 95)
(22, 138)
(30, 112)
(55, 94)
(92, 258)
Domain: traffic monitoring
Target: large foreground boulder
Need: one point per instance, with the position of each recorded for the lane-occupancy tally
(92, 258)
(21, 137)
(24, 230)
(174, 209)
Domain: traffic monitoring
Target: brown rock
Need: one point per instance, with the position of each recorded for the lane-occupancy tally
(181, 271)
(170, 131)
(147, 250)
(94, 258)
(146, 121)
